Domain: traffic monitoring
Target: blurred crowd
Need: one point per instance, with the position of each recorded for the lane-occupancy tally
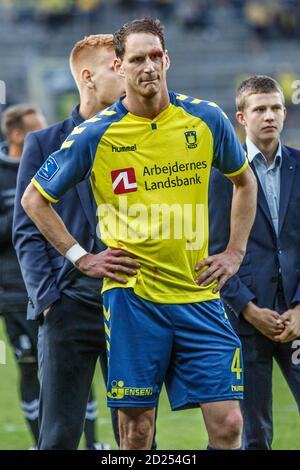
(271, 19)
(267, 19)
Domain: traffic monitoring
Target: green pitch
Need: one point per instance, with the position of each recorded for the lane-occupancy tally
(175, 430)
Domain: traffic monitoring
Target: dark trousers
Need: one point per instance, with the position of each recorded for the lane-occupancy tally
(71, 340)
(22, 335)
(258, 353)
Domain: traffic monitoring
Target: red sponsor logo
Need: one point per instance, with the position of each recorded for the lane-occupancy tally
(123, 181)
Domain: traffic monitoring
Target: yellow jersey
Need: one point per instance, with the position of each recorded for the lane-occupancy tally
(150, 182)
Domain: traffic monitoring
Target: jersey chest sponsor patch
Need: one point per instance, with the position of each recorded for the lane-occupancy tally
(123, 181)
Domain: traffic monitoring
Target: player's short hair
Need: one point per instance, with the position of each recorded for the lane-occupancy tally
(254, 85)
(83, 48)
(143, 25)
(13, 116)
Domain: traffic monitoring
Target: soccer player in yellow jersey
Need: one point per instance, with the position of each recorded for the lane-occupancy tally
(148, 158)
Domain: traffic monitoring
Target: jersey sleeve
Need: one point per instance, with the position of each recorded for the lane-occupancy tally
(68, 166)
(229, 156)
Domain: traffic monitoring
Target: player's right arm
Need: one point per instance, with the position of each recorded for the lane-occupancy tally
(49, 223)
(61, 171)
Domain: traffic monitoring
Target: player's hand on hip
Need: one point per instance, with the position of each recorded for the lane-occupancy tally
(109, 263)
(218, 268)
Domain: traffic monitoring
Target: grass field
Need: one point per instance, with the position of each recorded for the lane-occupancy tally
(175, 430)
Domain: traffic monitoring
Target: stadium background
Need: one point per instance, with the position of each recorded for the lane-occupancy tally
(213, 45)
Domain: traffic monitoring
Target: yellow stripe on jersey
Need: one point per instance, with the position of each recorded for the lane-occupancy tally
(67, 144)
(78, 130)
(196, 101)
(181, 97)
(107, 112)
(238, 172)
(107, 330)
(42, 191)
(106, 313)
(93, 119)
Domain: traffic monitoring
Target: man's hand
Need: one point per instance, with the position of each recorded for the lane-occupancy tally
(107, 263)
(221, 267)
(291, 321)
(267, 321)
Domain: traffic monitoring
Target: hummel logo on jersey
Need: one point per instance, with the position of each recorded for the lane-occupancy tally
(128, 148)
(123, 181)
(49, 169)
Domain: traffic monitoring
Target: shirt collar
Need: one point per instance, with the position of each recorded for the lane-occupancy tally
(253, 151)
(77, 119)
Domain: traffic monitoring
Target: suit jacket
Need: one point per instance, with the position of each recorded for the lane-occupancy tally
(46, 273)
(12, 290)
(268, 256)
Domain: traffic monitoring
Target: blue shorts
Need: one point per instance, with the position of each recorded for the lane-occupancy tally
(192, 348)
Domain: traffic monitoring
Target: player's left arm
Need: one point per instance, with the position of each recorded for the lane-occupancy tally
(230, 159)
(224, 265)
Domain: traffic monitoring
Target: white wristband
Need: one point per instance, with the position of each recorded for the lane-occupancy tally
(75, 252)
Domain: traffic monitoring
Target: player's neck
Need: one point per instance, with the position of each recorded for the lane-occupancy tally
(89, 107)
(146, 107)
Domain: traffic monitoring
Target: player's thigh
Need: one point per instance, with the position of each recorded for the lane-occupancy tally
(139, 342)
(207, 361)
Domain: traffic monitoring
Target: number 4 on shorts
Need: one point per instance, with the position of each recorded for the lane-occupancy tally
(236, 364)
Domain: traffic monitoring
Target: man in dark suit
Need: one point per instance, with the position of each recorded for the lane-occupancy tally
(17, 121)
(67, 303)
(263, 299)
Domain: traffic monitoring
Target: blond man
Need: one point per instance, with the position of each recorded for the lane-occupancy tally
(66, 303)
